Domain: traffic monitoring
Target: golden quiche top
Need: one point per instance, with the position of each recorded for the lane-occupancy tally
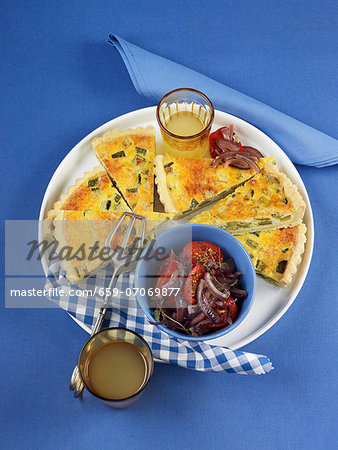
(187, 183)
(94, 191)
(127, 156)
(267, 201)
(276, 253)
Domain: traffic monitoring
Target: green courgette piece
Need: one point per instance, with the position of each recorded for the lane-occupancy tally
(272, 180)
(285, 250)
(139, 179)
(193, 203)
(132, 190)
(223, 177)
(117, 198)
(283, 219)
(260, 265)
(108, 205)
(255, 233)
(285, 200)
(281, 266)
(120, 154)
(265, 201)
(141, 151)
(92, 183)
(243, 225)
(168, 164)
(251, 243)
(264, 221)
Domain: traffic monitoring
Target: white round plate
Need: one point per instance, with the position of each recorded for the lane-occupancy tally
(270, 302)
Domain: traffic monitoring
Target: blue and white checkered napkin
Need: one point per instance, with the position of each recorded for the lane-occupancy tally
(85, 300)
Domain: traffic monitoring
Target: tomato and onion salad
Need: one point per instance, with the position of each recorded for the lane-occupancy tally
(227, 149)
(207, 290)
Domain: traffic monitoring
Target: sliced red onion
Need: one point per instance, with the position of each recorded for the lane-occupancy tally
(226, 156)
(193, 309)
(226, 144)
(210, 313)
(225, 132)
(252, 157)
(220, 304)
(231, 132)
(238, 164)
(220, 286)
(249, 161)
(213, 289)
(252, 151)
(197, 330)
(181, 307)
(238, 293)
(197, 319)
(235, 160)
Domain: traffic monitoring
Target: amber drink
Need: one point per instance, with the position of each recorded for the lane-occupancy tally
(185, 117)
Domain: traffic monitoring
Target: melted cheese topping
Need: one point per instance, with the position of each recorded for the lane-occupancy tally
(129, 162)
(93, 192)
(272, 252)
(267, 201)
(192, 181)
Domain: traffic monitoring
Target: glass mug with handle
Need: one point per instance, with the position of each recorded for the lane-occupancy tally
(115, 366)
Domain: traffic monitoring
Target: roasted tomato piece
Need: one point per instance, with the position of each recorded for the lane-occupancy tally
(214, 150)
(167, 268)
(233, 312)
(202, 252)
(191, 283)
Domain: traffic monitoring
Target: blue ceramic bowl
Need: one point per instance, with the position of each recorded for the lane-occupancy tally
(176, 238)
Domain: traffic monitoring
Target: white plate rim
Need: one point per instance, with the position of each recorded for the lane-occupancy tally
(133, 116)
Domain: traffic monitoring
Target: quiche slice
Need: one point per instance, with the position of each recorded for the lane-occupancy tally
(94, 191)
(267, 201)
(81, 237)
(127, 156)
(186, 184)
(276, 253)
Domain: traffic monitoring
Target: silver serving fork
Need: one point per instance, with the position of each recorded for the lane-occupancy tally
(119, 266)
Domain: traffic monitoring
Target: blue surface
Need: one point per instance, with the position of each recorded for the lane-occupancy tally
(153, 76)
(176, 239)
(60, 80)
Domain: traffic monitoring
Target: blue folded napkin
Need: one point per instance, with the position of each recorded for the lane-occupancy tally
(84, 303)
(154, 76)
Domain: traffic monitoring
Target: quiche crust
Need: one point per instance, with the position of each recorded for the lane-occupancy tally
(81, 197)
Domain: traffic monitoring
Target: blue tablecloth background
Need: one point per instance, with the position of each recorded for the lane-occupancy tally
(59, 81)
